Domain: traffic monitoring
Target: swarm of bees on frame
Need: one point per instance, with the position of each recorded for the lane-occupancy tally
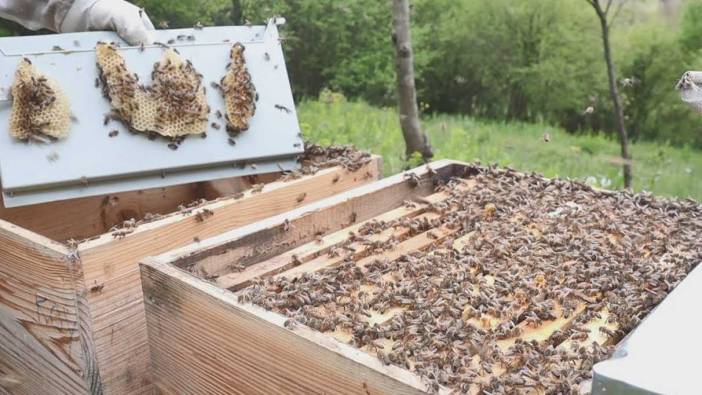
(173, 106)
(470, 316)
(40, 110)
(238, 91)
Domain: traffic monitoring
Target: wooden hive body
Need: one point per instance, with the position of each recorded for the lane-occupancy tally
(71, 313)
(204, 337)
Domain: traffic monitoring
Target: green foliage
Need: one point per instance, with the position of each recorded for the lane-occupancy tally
(690, 26)
(528, 60)
(658, 167)
(185, 13)
(5, 30)
(343, 46)
(653, 62)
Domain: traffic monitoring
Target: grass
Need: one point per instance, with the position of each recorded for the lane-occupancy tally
(657, 167)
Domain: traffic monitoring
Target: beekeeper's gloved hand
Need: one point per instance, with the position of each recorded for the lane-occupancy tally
(128, 20)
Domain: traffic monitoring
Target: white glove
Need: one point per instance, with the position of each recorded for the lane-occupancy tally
(128, 20)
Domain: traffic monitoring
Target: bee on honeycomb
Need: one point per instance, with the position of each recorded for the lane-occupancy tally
(173, 106)
(40, 110)
(238, 91)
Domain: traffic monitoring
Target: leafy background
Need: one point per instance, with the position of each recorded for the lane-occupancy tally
(493, 76)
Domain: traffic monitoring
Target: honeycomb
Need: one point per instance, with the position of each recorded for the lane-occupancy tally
(238, 91)
(174, 105)
(39, 107)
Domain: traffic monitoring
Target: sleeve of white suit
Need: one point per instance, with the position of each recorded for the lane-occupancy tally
(36, 14)
(128, 20)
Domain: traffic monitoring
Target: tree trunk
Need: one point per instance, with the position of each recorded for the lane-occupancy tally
(616, 99)
(415, 139)
(235, 13)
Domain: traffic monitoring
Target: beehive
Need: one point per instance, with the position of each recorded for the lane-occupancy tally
(71, 311)
(173, 105)
(39, 107)
(456, 277)
(238, 91)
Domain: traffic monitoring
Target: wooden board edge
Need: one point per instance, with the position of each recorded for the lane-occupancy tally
(41, 313)
(447, 167)
(375, 168)
(38, 240)
(366, 368)
(91, 373)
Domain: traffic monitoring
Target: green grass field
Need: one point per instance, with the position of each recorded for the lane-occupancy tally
(657, 167)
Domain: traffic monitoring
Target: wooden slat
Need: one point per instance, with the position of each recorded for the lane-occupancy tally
(304, 253)
(309, 251)
(253, 244)
(204, 341)
(90, 216)
(110, 265)
(547, 328)
(360, 249)
(414, 244)
(43, 344)
(417, 243)
(595, 335)
(462, 242)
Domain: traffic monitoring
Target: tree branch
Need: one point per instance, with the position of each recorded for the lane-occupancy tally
(609, 4)
(616, 13)
(598, 9)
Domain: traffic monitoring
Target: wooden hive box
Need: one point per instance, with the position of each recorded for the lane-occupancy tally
(206, 337)
(71, 313)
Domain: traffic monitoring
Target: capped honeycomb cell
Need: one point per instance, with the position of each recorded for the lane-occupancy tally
(174, 105)
(238, 91)
(40, 110)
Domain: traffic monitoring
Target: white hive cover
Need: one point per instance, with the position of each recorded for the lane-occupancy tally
(89, 162)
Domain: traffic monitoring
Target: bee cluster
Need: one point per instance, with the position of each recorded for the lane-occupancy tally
(316, 157)
(524, 252)
(238, 91)
(182, 108)
(40, 111)
(173, 106)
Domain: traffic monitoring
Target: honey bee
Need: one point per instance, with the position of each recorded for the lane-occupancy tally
(282, 108)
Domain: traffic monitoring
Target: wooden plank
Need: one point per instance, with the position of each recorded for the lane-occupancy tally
(43, 344)
(261, 241)
(594, 334)
(360, 249)
(110, 265)
(462, 242)
(546, 329)
(311, 251)
(86, 217)
(417, 243)
(204, 341)
(304, 253)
